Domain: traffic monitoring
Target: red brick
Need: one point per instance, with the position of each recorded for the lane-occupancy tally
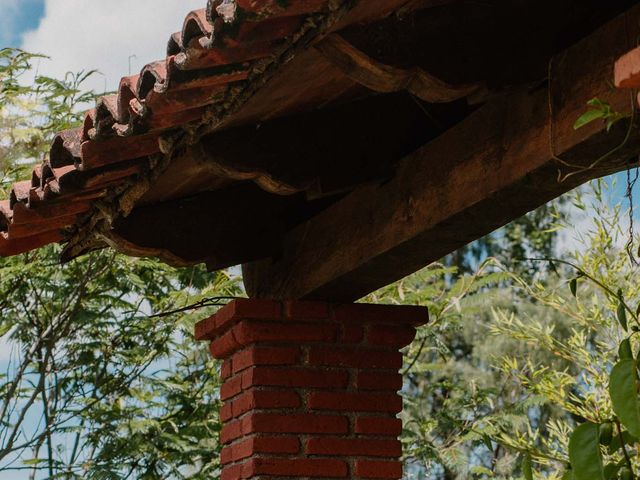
(355, 402)
(222, 347)
(231, 472)
(392, 314)
(249, 332)
(231, 387)
(353, 446)
(306, 310)
(225, 369)
(385, 426)
(352, 334)
(256, 445)
(277, 445)
(379, 381)
(226, 455)
(247, 308)
(348, 357)
(302, 467)
(226, 413)
(378, 469)
(391, 335)
(294, 423)
(253, 356)
(292, 377)
(265, 399)
(257, 308)
(205, 329)
(236, 310)
(230, 431)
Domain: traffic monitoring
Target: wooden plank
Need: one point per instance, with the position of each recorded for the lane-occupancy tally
(490, 169)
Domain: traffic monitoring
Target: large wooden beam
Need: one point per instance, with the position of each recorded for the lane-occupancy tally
(515, 153)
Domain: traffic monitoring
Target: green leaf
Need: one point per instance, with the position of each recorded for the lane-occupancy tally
(606, 433)
(596, 103)
(623, 389)
(589, 116)
(487, 442)
(584, 453)
(480, 470)
(611, 471)
(527, 469)
(573, 285)
(622, 316)
(624, 350)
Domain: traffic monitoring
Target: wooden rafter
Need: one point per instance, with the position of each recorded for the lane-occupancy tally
(385, 78)
(515, 153)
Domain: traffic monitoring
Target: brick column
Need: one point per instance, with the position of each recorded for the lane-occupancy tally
(310, 388)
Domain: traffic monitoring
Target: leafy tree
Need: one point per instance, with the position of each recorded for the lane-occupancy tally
(533, 235)
(512, 370)
(595, 434)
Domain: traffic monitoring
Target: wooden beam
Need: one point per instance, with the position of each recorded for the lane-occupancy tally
(322, 153)
(386, 78)
(211, 228)
(501, 162)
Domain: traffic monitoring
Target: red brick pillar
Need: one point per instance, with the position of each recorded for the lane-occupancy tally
(310, 388)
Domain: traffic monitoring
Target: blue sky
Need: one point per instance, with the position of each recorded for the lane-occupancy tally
(18, 16)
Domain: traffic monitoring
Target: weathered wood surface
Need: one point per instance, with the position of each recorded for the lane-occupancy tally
(205, 228)
(379, 77)
(499, 163)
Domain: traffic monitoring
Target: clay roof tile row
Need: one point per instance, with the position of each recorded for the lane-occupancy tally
(211, 53)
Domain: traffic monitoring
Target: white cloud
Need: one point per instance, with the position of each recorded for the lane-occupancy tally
(98, 34)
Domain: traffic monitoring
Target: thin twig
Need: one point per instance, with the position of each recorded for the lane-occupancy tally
(206, 302)
(631, 183)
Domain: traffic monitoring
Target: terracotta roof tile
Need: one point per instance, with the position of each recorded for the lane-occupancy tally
(20, 192)
(115, 149)
(9, 247)
(211, 56)
(66, 148)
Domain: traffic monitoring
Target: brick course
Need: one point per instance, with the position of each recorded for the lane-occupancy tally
(310, 388)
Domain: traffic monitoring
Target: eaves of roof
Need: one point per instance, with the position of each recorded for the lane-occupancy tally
(222, 56)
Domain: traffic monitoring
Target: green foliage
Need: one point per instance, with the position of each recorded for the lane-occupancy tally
(135, 393)
(532, 236)
(623, 389)
(32, 110)
(599, 110)
(516, 358)
(584, 453)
